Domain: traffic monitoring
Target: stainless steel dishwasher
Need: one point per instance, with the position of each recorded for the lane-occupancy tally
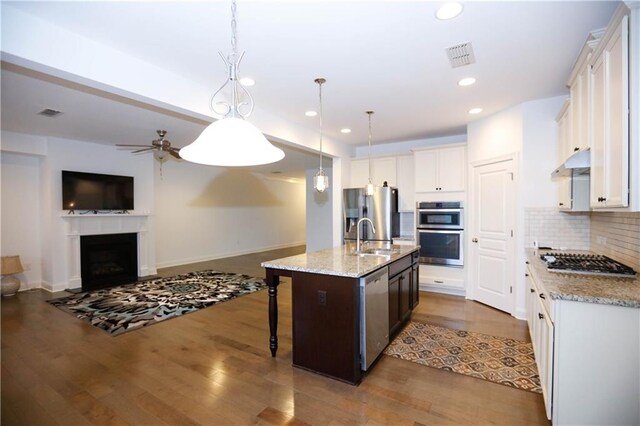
(374, 316)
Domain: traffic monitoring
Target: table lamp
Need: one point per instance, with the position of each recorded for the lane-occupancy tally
(10, 284)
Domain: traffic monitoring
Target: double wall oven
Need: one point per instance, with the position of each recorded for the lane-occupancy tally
(440, 232)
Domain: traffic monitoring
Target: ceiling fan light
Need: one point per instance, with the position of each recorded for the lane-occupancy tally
(160, 155)
(231, 141)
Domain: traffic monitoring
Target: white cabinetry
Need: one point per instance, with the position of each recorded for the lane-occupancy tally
(564, 131)
(382, 169)
(440, 170)
(609, 79)
(396, 171)
(541, 330)
(359, 173)
(405, 180)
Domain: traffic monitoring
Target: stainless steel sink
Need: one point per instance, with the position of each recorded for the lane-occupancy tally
(376, 252)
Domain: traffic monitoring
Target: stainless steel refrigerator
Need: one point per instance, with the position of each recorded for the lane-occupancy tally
(381, 208)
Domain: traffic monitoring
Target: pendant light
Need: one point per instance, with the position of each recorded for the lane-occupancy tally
(320, 180)
(369, 188)
(232, 141)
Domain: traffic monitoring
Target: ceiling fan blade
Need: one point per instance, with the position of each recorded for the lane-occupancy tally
(133, 146)
(174, 152)
(143, 150)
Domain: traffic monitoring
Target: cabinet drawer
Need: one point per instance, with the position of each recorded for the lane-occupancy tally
(443, 282)
(400, 265)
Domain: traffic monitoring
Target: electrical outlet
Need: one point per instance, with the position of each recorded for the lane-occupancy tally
(322, 298)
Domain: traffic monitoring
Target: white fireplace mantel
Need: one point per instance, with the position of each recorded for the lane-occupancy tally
(77, 225)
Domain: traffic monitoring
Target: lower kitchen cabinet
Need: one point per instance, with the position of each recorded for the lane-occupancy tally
(587, 357)
(403, 290)
(541, 331)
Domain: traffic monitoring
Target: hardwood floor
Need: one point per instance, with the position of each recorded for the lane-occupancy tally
(214, 367)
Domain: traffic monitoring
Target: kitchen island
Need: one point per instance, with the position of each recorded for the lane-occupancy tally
(327, 320)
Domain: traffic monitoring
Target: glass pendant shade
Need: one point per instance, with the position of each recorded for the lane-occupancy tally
(320, 181)
(369, 188)
(231, 141)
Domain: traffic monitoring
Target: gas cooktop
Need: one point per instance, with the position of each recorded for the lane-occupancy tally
(588, 264)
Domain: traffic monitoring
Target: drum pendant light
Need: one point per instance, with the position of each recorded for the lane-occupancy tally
(231, 140)
(320, 180)
(369, 187)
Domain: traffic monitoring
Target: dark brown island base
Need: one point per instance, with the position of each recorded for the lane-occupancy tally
(346, 307)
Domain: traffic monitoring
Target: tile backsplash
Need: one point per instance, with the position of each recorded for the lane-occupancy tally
(407, 224)
(546, 226)
(617, 235)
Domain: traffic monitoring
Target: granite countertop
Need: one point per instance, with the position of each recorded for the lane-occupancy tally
(340, 261)
(602, 290)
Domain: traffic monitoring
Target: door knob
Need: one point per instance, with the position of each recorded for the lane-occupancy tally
(475, 240)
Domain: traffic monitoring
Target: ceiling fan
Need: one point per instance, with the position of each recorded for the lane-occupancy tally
(161, 146)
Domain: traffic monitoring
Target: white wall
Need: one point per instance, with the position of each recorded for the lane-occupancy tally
(528, 132)
(403, 148)
(40, 183)
(20, 223)
(204, 212)
(320, 217)
(540, 151)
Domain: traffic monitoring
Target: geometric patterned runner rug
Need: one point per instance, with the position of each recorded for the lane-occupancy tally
(117, 310)
(496, 359)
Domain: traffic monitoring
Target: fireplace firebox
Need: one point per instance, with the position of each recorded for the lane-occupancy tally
(108, 260)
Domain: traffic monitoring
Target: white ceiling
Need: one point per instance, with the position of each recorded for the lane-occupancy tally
(388, 56)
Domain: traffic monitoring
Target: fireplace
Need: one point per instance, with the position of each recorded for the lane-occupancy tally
(108, 259)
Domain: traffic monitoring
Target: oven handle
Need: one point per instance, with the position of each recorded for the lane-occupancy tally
(436, 231)
(439, 210)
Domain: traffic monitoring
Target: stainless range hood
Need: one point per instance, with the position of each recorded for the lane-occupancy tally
(579, 163)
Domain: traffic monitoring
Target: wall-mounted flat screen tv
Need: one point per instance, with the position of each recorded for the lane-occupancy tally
(93, 191)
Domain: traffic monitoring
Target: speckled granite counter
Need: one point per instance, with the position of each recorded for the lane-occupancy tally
(584, 288)
(339, 261)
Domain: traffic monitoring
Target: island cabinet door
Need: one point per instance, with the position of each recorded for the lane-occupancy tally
(415, 286)
(394, 304)
(405, 294)
(326, 325)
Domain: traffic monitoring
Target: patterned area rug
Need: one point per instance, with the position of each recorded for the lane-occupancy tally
(132, 306)
(497, 359)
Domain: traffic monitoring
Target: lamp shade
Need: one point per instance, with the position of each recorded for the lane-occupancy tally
(231, 141)
(10, 265)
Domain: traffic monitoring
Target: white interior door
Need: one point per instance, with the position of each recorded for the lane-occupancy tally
(492, 247)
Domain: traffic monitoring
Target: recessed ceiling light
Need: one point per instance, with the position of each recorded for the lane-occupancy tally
(310, 113)
(475, 110)
(449, 10)
(467, 81)
(345, 130)
(247, 82)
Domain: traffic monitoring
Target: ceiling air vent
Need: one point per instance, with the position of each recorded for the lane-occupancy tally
(460, 55)
(48, 112)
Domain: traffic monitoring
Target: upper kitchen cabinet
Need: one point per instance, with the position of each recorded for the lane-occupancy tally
(565, 129)
(396, 171)
(440, 169)
(580, 90)
(359, 173)
(406, 190)
(383, 169)
(609, 80)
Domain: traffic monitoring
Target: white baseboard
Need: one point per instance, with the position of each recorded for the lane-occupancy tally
(53, 288)
(521, 314)
(187, 261)
(442, 289)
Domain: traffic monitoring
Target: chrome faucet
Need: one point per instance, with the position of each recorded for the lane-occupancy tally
(373, 228)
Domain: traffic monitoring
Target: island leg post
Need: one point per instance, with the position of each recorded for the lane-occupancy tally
(272, 281)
